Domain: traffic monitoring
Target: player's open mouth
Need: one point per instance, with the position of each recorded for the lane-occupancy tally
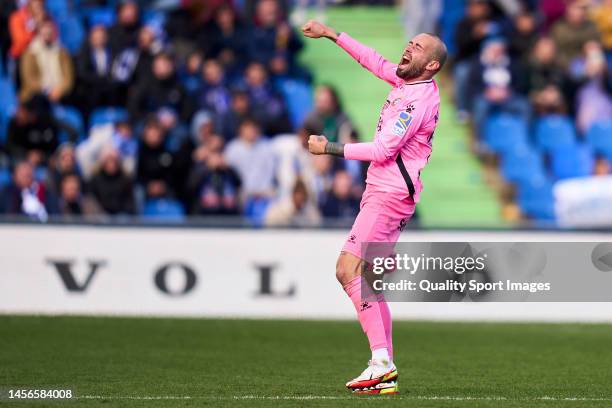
(405, 59)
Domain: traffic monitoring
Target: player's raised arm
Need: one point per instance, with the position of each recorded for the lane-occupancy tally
(366, 56)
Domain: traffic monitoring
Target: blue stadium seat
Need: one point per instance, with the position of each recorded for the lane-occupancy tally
(575, 160)
(57, 8)
(522, 164)
(5, 177)
(99, 16)
(554, 130)
(8, 105)
(72, 32)
(298, 96)
(504, 131)
(536, 200)
(102, 116)
(599, 137)
(164, 209)
(72, 117)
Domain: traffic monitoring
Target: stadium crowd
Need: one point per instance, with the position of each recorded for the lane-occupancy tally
(165, 109)
(542, 60)
(535, 80)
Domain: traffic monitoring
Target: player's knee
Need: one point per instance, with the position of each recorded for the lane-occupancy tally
(345, 271)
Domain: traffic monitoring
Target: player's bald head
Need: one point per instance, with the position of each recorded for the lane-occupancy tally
(437, 50)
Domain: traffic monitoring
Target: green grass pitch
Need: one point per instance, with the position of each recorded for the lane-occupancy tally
(129, 362)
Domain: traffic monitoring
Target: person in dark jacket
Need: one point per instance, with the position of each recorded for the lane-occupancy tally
(33, 133)
(124, 33)
(215, 187)
(163, 91)
(274, 43)
(225, 40)
(470, 33)
(213, 94)
(268, 106)
(110, 186)
(155, 162)
(95, 86)
(497, 83)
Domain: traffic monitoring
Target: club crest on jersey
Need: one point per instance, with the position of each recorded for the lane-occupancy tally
(402, 123)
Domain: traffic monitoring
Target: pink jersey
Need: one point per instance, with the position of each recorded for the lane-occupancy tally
(406, 125)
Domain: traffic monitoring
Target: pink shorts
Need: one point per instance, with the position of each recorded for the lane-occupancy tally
(381, 219)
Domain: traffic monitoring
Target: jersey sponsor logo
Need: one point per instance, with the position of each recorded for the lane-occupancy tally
(402, 123)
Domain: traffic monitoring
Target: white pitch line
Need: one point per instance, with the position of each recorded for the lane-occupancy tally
(331, 397)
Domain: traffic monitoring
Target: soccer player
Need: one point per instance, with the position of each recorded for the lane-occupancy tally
(400, 149)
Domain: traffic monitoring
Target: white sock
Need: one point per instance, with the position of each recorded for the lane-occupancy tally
(381, 354)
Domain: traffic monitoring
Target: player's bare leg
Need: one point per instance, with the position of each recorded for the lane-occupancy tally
(380, 377)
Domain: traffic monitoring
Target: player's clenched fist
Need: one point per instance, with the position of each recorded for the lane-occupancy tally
(316, 144)
(314, 29)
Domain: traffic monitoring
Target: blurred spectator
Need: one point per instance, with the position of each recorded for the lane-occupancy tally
(323, 176)
(295, 161)
(124, 33)
(110, 186)
(297, 210)
(329, 115)
(572, 32)
(23, 25)
(471, 31)
(602, 16)
(215, 187)
(118, 135)
(133, 65)
(268, 106)
(193, 153)
(274, 43)
(33, 133)
(253, 158)
(240, 108)
(594, 98)
(497, 83)
(26, 196)
(155, 163)
(524, 35)
(63, 162)
(72, 201)
(46, 67)
(213, 95)
(162, 92)
(190, 73)
(95, 86)
(341, 202)
(546, 81)
(226, 40)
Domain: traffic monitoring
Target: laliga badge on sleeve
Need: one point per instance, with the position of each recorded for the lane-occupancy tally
(402, 123)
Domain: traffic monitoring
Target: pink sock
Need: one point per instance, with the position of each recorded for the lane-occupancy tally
(370, 314)
(385, 313)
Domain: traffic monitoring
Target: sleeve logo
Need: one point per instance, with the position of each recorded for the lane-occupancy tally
(402, 123)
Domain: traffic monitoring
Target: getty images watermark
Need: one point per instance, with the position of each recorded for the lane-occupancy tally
(492, 271)
(459, 265)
